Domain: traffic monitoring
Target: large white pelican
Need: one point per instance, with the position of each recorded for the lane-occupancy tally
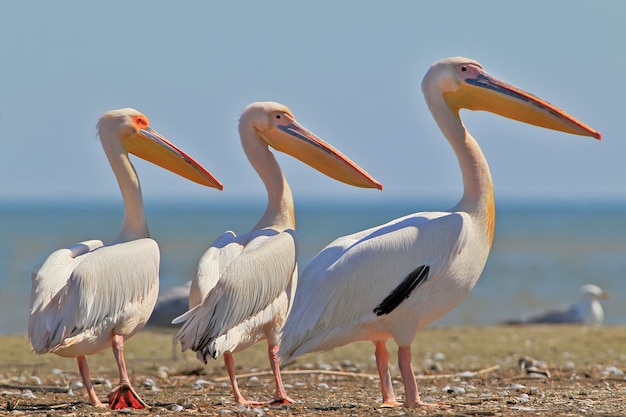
(390, 280)
(91, 296)
(243, 287)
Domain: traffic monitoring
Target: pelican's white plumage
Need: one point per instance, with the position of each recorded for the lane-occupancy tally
(390, 280)
(77, 307)
(91, 296)
(243, 287)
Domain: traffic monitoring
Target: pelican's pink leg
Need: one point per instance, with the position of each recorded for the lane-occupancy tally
(84, 373)
(280, 396)
(412, 396)
(382, 363)
(229, 362)
(123, 396)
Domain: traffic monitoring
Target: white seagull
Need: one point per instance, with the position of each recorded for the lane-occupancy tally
(244, 284)
(587, 310)
(391, 280)
(90, 296)
(170, 304)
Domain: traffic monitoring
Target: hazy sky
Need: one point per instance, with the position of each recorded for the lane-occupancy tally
(349, 70)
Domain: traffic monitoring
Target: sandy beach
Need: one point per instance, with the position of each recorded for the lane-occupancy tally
(473, 370)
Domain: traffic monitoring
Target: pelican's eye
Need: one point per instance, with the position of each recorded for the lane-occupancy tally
(466, 71)
(278, 116)
(140, 122)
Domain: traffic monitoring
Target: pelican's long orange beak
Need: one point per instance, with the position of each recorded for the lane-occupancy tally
(148, 144)
(302, 144)
(484, 92)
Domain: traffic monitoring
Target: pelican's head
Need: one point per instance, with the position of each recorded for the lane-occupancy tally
(464, 84)
(275, 125)
(132, 130)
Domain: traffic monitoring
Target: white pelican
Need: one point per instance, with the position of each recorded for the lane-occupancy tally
(91, 296)
(587, 310)
(244, 284)
(390, 280)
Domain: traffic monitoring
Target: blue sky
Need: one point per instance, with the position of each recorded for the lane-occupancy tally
(349, 70)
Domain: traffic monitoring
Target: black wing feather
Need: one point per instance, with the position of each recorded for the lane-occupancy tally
(403, 291)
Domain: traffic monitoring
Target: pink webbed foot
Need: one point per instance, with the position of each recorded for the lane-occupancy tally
(98, 404)
(420, 403)
(124, 396)
(243, 401)
(281, 400)
(391, 404)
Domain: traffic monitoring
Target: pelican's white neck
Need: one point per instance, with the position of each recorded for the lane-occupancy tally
(135, 225)
(478, 198)
(280, 208)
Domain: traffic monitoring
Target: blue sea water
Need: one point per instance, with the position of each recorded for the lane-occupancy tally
(542, 252)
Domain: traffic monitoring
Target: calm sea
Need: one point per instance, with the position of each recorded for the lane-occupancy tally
(542, 252)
